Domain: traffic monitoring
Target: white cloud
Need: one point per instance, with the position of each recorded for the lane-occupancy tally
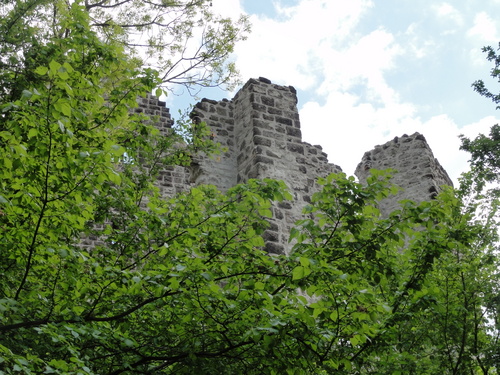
(484, 31)
(320, 18)
(285, 49)
(416, 45)
(317, 47)
(361, 62)
(448, 12)
(478, 58)
(484, 28)
(346, 130)
(227, 8)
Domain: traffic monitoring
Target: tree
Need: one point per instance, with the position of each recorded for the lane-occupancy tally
(403, 294)
(485, 150)
(183, 40)
(479, 85)
(480, 189)
(182, 284)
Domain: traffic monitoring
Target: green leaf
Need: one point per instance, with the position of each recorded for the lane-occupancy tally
(54, 67)
(32, 133)
(63, 107)
(41, 70)
(259, 285)
(317, 312)
(67, 66)
(214, 287)
(298, 273)
(63, 74)
(207, 276)
(27, 94)
(347, 364)
(354, 340)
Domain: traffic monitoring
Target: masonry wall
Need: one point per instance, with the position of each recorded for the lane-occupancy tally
(260, 131)
(171, 180)
(218, 170)
(418, 172)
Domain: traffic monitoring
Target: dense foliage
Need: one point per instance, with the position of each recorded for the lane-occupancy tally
(485, 149)
(183, 40)
(181, 284)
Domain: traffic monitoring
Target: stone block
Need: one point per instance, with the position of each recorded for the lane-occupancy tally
(274, 248)
(263, 159)
(296, 148)
(258, 140)
(267, 101)
(293, 131)
(259, 107)
(284, 121)
(275, 111)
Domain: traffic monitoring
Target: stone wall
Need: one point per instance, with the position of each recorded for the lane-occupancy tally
(418, 172)
(219, 170)
(171, 180)
(260, 130)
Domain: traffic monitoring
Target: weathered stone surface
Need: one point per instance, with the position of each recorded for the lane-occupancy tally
(260, 128)
(268, 144)
(418, 173)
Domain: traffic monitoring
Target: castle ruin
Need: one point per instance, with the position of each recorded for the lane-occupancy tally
(260, 130)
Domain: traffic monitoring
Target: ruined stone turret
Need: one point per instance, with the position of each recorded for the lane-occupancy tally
(260, 127)
(260, 130)
(418, 172)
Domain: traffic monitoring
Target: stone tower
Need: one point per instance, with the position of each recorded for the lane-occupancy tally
(260, 129)
(418, 173)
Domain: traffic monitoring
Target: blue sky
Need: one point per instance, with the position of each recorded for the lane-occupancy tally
(367, 71)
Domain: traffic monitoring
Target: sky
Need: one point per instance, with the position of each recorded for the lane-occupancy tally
(367, 71)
